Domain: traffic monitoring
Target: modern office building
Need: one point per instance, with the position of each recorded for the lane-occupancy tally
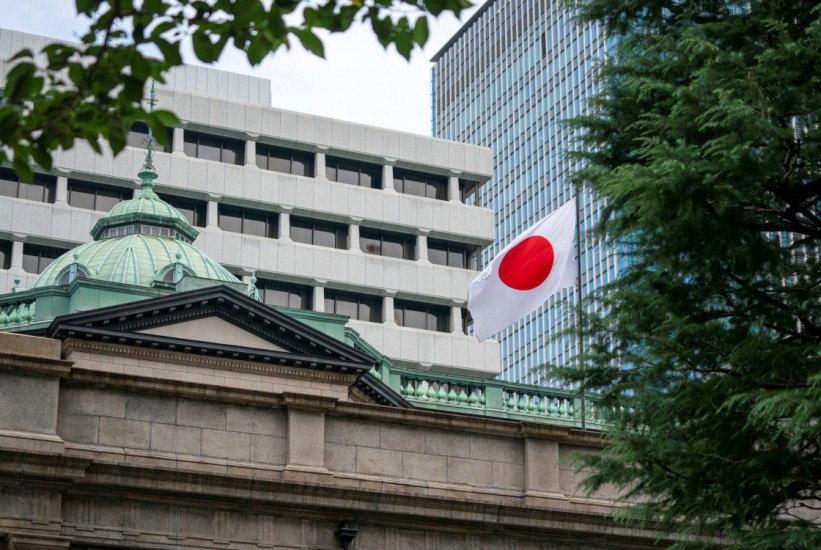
(327, 215)
(507, 80)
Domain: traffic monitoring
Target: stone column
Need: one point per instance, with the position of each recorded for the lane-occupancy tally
(178, 141)
(212, 214)
(61, 191)
(284, 226)
(453, 189)
(387, 175)
(353, 236)
(388, 311)
(318, 298)
(541, 467)
(456, 320)
(250, 153)
(16, 255)
(422, 248)
(319, 163)
(306, 431)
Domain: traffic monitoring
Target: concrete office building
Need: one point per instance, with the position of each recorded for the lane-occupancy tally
(327, 215)
(507, 80)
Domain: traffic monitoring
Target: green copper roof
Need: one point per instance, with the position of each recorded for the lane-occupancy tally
(134, 259)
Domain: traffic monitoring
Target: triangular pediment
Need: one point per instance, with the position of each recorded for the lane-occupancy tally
(215, 330)
(215, 321)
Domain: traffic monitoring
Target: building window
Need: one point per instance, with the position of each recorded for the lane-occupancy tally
(387, 244)
(421, 185)
(220, 149)
(467, 321)
(138, 137)
(353, 172)
(287, 161)
(469, 192)
(37, 258)
(91, 196)
(41, 189)
(421, 316)
(453, 255)
(331, 235)
(5, 254)
(355, 306)
(192, 209)
(275, 293)
(248, 222)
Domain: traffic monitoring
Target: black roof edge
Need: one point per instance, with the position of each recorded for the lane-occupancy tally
(381, 392)
(212, 293)
(66, 330)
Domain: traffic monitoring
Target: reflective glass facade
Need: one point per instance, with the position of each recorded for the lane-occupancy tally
(514, 72)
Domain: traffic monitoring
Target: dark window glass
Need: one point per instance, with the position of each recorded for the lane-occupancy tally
(41, 189)
(469, 192)
(331, 235)
(276, 293)
(422, 316)
(192, 209)
(248, 222)
(452, 255)
(355, 306)
(37, 258)
(95, 197)
(287, 161)
(220, 149)
(138, 137)
(353, 172)
(467, 321)
(5, 254)
(420, 185)
(388, 244)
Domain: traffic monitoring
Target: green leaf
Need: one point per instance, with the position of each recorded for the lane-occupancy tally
(310, 41)
(21, 165)
(420, 31)
(20, 82)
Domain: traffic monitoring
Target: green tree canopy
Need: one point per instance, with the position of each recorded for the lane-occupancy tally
(704, 143)
(94, 90)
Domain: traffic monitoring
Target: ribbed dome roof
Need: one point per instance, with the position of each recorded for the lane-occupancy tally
(139, 242)
(134, 260)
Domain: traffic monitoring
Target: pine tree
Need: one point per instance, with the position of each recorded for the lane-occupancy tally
(704, 143)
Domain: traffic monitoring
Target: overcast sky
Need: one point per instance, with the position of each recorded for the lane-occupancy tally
(358, 81)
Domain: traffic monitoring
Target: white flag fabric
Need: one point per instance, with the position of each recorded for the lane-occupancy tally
(541, 261)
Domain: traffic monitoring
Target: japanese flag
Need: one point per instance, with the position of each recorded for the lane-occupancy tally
(522, 276)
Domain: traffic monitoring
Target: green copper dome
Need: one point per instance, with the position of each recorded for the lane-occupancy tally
(145, 208)
(135, 260)
(141, 242)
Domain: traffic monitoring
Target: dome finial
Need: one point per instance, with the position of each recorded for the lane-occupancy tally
(147, 175)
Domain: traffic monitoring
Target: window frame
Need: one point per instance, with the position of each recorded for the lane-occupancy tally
(265, 286)
(375, 304)
(124, 193)
(6, 248)
(293, 155)
(180, 203)
(400, 316)
(136, 130)
(46, 182)
(373, 170)
(408, 244)
(468, 252)
(192, 138)
(340, 232)
(271, 220)
(43, 253)
(401, 181)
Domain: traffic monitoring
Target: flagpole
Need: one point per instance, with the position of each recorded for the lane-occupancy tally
(579, 296)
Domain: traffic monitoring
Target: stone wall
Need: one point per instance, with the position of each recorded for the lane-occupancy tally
(92, 456)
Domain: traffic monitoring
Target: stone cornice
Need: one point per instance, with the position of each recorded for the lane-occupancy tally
(42, 366)
(208, 362)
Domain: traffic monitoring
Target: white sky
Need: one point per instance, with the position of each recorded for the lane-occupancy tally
(358, 81)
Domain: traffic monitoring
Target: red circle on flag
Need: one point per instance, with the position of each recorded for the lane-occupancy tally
(527, 265)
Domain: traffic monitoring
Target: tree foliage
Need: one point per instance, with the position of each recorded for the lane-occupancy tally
(94, 90)
(705, 146)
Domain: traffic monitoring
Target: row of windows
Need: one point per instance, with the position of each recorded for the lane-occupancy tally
(144, 229)
(42, 189)
(361, 307)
